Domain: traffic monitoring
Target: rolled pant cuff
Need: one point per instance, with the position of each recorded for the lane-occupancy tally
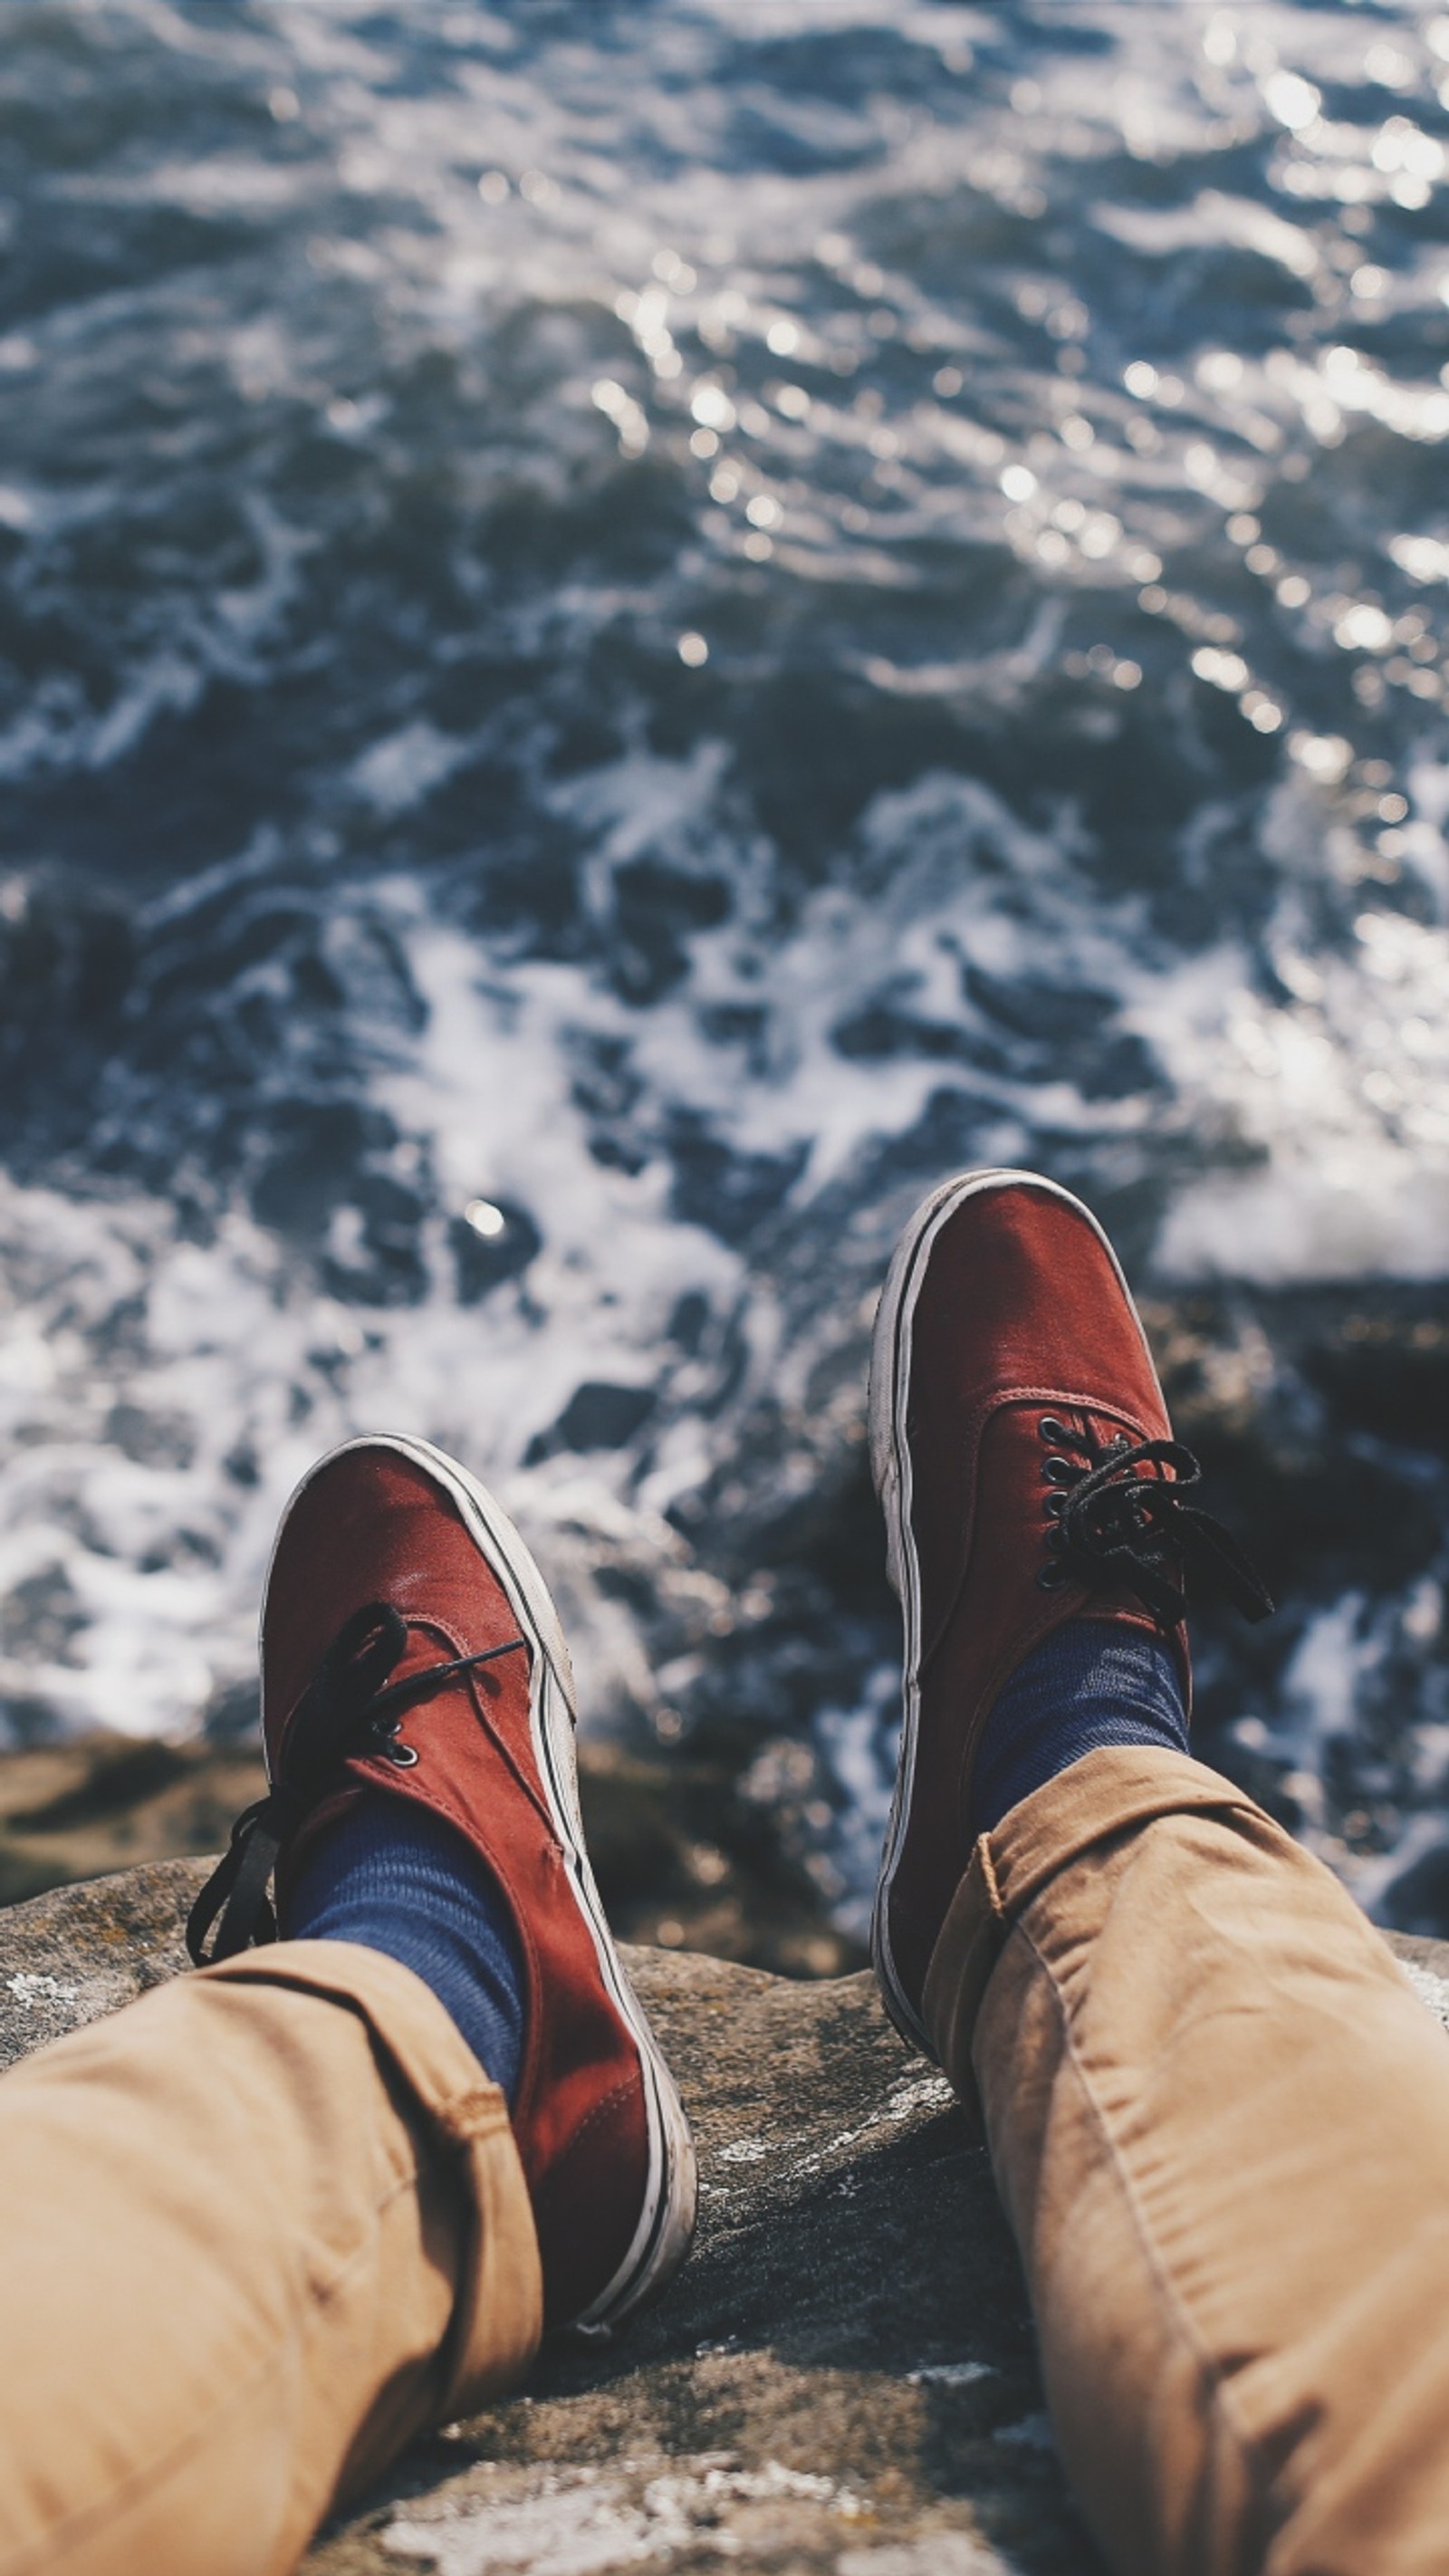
(1106, 1793)
(498, 2320)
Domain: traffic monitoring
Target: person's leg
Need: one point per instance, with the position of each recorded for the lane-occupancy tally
(1219, 2119)
(266, 2223)
(413, 1667)
(1218, 2116)
(255, 2231)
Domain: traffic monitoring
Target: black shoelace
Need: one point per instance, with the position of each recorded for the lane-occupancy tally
(1122, 1515)
(348, 1708)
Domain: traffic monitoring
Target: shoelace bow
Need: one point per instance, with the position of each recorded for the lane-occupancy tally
(348, 1708)
(1120, 1524)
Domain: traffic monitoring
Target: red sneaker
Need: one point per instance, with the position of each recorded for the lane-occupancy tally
(1026, 1466)
(409, 1646)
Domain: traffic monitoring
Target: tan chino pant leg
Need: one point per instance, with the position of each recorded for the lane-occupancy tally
(1219, 2119)
(255, 2230)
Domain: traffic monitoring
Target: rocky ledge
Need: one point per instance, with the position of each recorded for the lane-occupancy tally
(843, 2377)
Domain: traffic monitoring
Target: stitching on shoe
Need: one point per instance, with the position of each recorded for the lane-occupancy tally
(600, 2112)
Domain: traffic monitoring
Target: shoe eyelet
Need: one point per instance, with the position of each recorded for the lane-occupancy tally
(1054, 1541)
(1059, 1471)
(1054, 1505)
(1051, 1576)
(403, 1755)
(386, 1727)
(1054, 1433)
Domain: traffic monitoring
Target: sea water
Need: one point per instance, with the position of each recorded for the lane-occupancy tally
(627, 633)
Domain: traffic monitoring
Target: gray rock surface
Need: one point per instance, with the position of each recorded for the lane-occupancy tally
(842, 2379)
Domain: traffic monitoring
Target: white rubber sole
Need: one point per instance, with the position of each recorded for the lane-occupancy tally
(666, 2219)
(890, 1465)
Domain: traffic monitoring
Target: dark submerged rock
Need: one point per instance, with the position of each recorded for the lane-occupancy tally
(686, 1853)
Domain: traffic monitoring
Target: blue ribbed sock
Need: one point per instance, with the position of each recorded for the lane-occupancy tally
(1089, 1683)
(397, 1879)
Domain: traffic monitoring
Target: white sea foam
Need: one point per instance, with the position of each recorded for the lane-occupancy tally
(1339, 1096)
(123, 1337)
(351, 475)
